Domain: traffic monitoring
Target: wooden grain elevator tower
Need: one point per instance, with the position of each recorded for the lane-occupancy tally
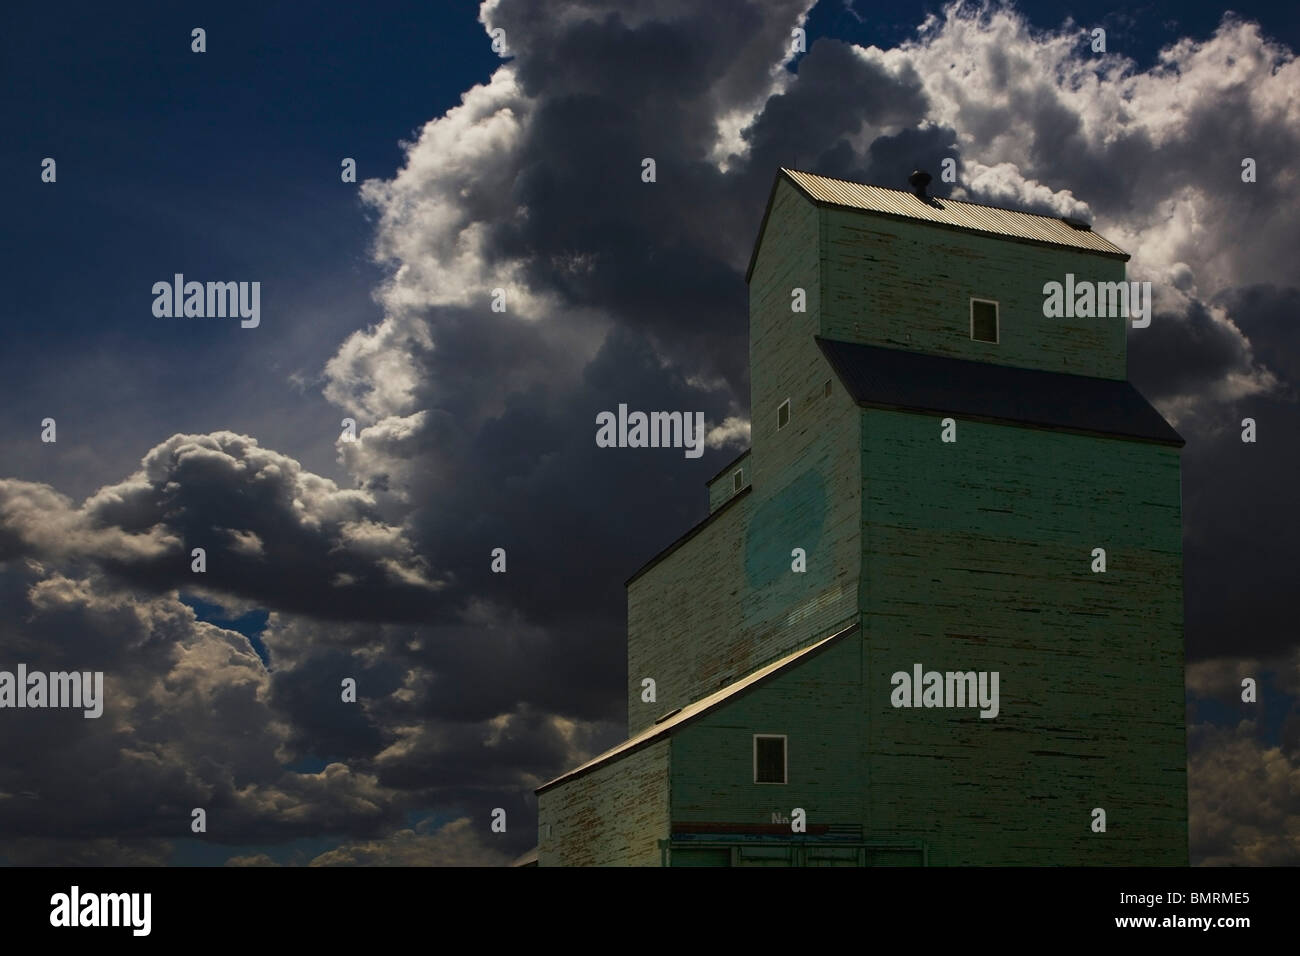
(948, 461)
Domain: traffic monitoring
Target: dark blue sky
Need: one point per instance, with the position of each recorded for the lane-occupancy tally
(219, 165)
(225, 165)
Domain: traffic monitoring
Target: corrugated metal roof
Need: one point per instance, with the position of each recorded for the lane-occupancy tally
(913, 381)
(700, 707)
(949, 213)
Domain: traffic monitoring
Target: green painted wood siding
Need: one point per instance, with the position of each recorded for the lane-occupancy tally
(968, 556)
(906, 285)
(723, 488)
(819, 707)
(977, 556)
(613, 816)
(806, 475)
(784, 361)
(728, 601)
(681, 615)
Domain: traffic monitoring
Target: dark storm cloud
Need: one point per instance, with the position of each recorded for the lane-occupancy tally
(272, 532)
(575, 519)
(627, 50)
(187, 722)
(1240, 520)
(664, 257)
(839, 96)
(309, 693)
(1270, 315)
(1240, 533)
(548, 634)
(1183, 354)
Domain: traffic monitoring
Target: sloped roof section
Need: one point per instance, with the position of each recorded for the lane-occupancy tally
(685, 715)
(913, 381)
(949, 213)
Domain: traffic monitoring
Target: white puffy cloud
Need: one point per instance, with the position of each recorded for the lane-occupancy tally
(733, 432)
(1151, 156)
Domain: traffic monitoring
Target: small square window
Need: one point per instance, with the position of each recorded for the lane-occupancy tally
(783, 415)
(736, 480)
(769, 758)
(984, 320)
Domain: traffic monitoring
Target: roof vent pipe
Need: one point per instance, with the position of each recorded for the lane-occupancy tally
(919, 179)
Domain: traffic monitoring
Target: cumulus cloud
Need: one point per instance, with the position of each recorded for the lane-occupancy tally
(1005, 185)
(1156, 153)
(270, 530)
(733, 432)
(38, 522)
(187, 721)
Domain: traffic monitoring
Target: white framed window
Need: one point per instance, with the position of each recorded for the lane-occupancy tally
(783, 415)
(737, 480)
(984, 320)
(770, 759)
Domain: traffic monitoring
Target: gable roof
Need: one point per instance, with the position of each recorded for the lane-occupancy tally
(913, 381)
(684, 715)
(947, 213)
